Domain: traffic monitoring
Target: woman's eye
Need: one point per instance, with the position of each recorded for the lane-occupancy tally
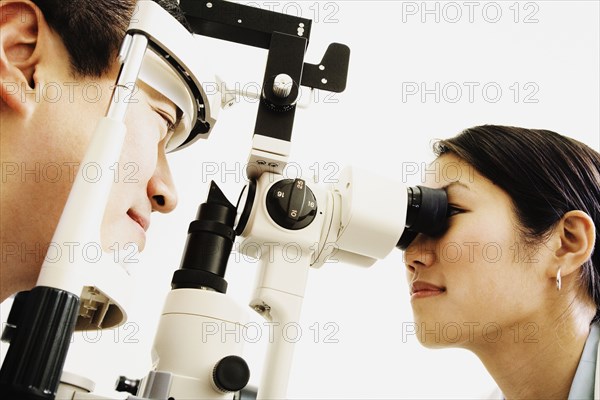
(453, 210)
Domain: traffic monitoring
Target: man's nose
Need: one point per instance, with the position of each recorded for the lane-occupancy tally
(161, 188)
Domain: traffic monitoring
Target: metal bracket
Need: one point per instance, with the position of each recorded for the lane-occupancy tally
(287, 38)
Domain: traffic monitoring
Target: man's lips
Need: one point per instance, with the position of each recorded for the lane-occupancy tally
(143, 222)
(425, 289)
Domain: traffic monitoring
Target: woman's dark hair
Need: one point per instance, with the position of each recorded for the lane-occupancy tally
(92, 30)
(545, 174)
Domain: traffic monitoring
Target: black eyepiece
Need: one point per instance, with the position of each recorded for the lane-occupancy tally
(426, 213)
(210, 239)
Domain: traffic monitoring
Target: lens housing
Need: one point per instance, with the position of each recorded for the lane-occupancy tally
(426, 213)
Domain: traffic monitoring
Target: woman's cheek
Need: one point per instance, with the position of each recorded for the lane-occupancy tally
(483, 237)
(458, 245)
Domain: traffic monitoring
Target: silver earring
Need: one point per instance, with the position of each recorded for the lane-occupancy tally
(558, 280)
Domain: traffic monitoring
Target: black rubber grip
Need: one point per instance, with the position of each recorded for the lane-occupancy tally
(36, 356)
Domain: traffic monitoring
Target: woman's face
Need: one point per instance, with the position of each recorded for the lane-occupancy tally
(491, 285)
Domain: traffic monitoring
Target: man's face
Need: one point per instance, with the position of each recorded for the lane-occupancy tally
(42, 149)
(143, 180)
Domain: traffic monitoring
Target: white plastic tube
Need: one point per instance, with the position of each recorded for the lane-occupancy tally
(68, 264)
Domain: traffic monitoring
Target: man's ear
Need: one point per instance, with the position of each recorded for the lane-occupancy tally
(19, 22)
(576, 234)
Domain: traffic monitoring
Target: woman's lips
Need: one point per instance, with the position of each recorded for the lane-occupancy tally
(420, 289)
(143, 222)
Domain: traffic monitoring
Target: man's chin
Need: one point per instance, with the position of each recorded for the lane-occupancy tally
(125, 238)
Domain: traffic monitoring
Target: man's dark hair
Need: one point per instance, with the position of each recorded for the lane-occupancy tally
(92, 30)
(545, 174)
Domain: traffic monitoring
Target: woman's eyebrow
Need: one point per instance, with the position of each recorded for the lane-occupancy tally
(456, 184)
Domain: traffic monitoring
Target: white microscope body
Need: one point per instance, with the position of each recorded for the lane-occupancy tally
(317, 222)
(358, 220)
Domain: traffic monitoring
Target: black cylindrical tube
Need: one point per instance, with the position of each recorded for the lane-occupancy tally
(210, 238)
(209, 243)
(413, 205)
(432, 211)
(426, 212)
(38, 349)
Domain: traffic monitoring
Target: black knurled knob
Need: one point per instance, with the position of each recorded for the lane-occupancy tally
(291, 204)
(231, 374)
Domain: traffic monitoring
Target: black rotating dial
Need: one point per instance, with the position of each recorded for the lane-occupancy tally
(291, 204)
(231, 374)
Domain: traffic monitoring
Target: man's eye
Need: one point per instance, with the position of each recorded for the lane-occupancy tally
(170, 125)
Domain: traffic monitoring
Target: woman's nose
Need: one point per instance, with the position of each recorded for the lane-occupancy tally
(420, 253)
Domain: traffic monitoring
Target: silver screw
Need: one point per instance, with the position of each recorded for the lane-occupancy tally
(282, 87)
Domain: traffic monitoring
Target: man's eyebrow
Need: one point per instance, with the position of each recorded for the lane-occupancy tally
(167, 104)
(160, 99)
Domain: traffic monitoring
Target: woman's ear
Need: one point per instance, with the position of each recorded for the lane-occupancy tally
(577, 237)
(20, 22)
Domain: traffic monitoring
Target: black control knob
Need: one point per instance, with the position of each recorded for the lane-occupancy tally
(125, 384)
(231, 374)
(291, 204)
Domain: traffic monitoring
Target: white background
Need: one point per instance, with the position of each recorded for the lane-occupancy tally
(553, 60)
